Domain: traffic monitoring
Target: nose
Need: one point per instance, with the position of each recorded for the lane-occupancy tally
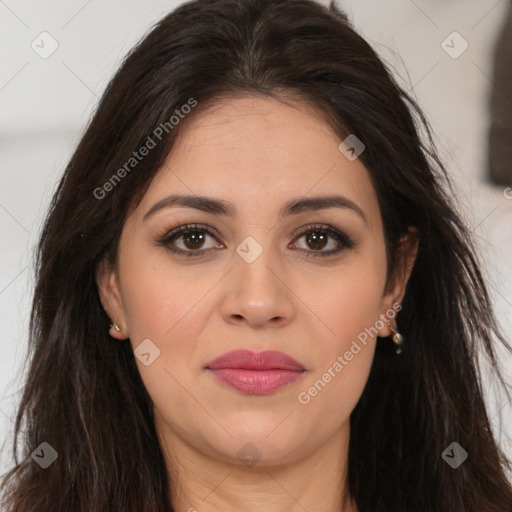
(259, 293)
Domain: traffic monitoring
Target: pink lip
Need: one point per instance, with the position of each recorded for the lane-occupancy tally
(256, 373)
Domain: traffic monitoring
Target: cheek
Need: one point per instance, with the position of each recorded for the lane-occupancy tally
(158, 298)
(170, 306)
(354, 306)
(167, 306)
(343, 360)
(348, 299)
(349, 307)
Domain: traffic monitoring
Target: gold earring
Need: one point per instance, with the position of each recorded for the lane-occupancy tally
(398, 339)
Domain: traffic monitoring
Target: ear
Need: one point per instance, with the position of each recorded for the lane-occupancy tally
(110, 298)
(395, 288)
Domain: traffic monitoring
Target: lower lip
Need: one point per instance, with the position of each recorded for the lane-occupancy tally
(256, 382)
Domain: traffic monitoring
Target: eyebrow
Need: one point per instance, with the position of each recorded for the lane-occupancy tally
(220, 207)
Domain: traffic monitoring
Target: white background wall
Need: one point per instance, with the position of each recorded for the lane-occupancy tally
(45, 104)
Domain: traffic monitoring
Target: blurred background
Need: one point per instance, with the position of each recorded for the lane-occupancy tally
(57, 58)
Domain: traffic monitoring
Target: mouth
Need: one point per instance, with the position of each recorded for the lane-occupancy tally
(256, 373)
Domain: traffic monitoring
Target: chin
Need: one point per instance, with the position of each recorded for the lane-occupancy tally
(260, 446)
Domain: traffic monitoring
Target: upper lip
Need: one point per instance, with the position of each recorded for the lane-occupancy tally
(249, 360)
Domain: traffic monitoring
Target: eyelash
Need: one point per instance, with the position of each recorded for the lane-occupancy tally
(343, 239)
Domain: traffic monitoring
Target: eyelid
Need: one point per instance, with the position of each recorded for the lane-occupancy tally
(189, 226)
(185, 227)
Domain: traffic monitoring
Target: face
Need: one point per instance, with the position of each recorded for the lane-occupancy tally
(307, 281)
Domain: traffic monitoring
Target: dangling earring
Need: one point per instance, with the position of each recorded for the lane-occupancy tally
(398, 340)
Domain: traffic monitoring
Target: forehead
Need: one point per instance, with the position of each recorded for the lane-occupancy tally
(258, 153)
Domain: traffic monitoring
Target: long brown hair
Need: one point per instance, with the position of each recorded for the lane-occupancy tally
(83, 394)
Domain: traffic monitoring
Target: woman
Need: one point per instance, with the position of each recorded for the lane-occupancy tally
(253, 291)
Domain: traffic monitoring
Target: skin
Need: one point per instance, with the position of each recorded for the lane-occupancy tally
(256, 153)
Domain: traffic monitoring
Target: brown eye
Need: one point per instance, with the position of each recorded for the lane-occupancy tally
(318, 237)
(316, 240)
(192, 238)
